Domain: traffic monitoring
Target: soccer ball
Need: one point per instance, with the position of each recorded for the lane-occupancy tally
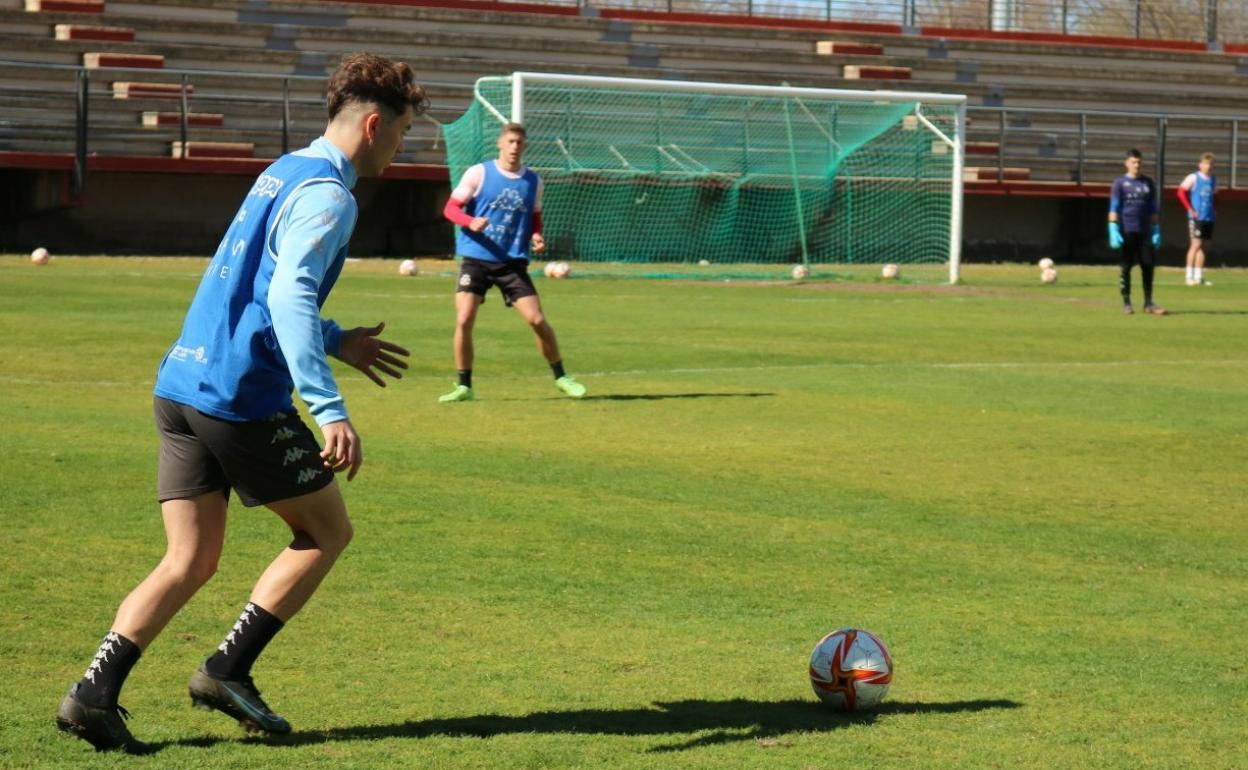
(800, 272)
(40, 256)
(549, 270)
(704, 263)
(850, 669)
(1048, 275)
(1045, 263)
(408, 267)
(560, 270)
(891, 271)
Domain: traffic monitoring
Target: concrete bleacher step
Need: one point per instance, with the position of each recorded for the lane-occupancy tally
(971, 148)
(96, 60)
(93, 33)
(875, 72)
(125, 89)
(844, 48)
(155, 119)
(65, 6)
(989, 174)
(213, 149)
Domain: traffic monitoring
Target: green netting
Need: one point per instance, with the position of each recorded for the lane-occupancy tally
(697, 178)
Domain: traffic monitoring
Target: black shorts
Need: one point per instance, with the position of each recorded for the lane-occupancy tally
(1137, 248)
(1201, 229)
(511, 278)
(264, 461)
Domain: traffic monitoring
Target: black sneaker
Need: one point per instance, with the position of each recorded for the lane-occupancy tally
(238, 699)
(101, 726)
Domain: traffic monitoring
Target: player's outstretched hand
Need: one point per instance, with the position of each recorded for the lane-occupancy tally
(539, 243)
(342, 448)
(1115, 236)
(363, 349)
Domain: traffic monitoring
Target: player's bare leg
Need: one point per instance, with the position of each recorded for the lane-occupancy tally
(466, 306)
(1190, 273)
(194, 534)
(321, 531)
(530, 309)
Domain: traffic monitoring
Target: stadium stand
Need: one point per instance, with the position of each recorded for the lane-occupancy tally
(1049, 114)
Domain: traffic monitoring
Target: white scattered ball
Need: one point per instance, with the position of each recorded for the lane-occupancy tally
(704, 263)
(560, 270)
(800, 273)
(891, 271)
(40, 256)
(408, 267)
(1049, 275)
(549, 270)
(1046, 263)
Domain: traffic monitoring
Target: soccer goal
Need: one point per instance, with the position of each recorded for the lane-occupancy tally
(690, 173)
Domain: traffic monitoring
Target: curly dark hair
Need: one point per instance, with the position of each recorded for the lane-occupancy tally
(370, 79)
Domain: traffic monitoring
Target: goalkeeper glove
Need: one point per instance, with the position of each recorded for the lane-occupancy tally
(1115, 236)
(1156, 236)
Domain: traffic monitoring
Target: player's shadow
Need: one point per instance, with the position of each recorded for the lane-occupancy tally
(665, 396)
(1208, 312)
(724, 722)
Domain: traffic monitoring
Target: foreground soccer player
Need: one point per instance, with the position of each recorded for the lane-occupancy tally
(498, 207)
(1196, 193)
(1134, 229)
(226, 419)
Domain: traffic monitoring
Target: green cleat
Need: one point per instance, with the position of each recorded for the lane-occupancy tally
(570, 387)
(461, 393)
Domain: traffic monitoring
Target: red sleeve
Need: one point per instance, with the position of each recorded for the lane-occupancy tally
(1185, 200)
(454, 211)
(537, 223)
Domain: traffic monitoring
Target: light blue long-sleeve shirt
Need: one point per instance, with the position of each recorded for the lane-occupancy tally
(316, 227)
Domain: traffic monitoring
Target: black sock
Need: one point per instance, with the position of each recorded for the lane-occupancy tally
(253, 630)
(465, 377)
(1124, 282)
(1146, 275)
(102, 683)
(557, 368)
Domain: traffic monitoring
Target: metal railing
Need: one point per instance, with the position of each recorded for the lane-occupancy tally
(1087, 147)
(1084, 147)
(1191, 20)
(289, 115)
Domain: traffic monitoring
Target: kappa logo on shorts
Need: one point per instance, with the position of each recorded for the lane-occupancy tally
(283, 434)
(307, 474)
(465, 279)
(294, 455)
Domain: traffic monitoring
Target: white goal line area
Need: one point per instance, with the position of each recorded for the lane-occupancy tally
(44, 382)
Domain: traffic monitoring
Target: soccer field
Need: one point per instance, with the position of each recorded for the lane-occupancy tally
(1037, 502)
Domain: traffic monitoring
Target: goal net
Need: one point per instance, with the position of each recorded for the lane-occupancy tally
(688, 173)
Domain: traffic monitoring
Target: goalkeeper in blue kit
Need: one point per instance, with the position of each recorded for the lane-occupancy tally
(1135, 231)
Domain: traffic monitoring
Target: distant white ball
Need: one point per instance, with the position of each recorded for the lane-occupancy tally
(1045, 263)
(549, 270)
(704, 263)
(800, 273)
(40, 256)
(560, 270)
(850, 669)
(1048, 275)
(408, 267)
(891, 271)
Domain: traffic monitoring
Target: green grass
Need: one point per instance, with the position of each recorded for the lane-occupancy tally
(1037, 502)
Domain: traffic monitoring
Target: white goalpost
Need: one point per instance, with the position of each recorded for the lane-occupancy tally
(761, 174)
